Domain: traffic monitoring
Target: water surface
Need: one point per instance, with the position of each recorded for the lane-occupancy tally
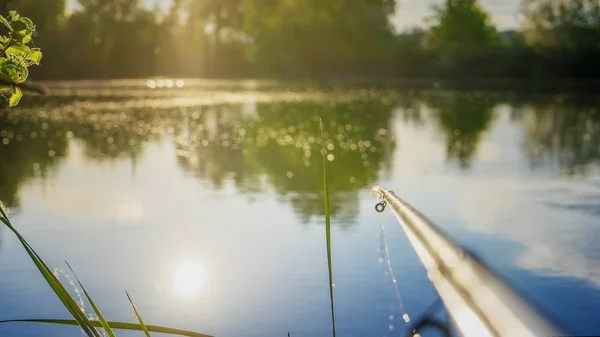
(204, 201)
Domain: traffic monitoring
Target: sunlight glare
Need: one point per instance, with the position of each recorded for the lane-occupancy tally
(188, 279)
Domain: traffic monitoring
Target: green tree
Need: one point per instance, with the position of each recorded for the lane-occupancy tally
(463, 37)
(220, 23)
(47, 14)
(110, 38)
(111, 10)
(311, 38)
(566, 33)
(412, 57)
(176, 43)
(568, 25)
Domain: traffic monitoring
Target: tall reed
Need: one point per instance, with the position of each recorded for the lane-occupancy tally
(328, 228)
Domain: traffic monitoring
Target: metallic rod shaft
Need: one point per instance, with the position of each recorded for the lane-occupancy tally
(479, 302)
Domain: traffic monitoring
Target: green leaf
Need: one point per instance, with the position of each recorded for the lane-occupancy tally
(16, 36)
(21, 36)
(28, 23)
(139, 316)
(14, 16)
(5, 22)
(35, 56)
(96, 310)
(18, 50)
(23, 75)
(26, 38)
(15, 98)
(53, 281)
(328, 228)
(14, 72)
(22, 29)
(115, 325)
(18, 25)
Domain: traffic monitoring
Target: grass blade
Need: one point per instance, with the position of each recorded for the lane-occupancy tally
(139, 316)
(53, 281)
(115, 325)
(81, 319)
(328, 228)
(96, 310)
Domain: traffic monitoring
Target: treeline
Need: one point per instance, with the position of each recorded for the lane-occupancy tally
(310, 39)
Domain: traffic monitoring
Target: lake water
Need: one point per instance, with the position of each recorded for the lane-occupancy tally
(204, 201)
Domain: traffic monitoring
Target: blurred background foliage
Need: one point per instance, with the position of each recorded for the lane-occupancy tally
(300, 39)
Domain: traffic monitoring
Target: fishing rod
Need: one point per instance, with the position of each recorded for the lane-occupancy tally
(478, 302)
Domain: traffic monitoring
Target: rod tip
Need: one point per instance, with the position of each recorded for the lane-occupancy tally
(377, 191)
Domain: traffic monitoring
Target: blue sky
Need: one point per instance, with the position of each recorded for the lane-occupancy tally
(411, 13)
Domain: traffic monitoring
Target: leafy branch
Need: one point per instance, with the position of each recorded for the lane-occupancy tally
(16, 56)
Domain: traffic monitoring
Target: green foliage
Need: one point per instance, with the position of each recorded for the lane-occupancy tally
(565, 34)
(15, 55)
(16, 96)
(566, 25)
(412, 53)
(330, 38)
(462, 24)
(463, 32)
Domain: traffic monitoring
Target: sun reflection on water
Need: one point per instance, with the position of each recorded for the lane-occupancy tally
(188, 279)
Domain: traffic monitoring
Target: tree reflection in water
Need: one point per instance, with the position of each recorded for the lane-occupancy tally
(462, 119)
(561, 131)
(260, 147)
(275, 145)
(278, 147)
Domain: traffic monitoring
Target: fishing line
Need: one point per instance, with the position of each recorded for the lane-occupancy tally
(384, 250)
(71, 282)
(92, 316)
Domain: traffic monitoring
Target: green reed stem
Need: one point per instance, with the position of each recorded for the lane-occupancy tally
(328, 229)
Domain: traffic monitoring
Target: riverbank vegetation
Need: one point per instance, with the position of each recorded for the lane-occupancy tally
(308, 39)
